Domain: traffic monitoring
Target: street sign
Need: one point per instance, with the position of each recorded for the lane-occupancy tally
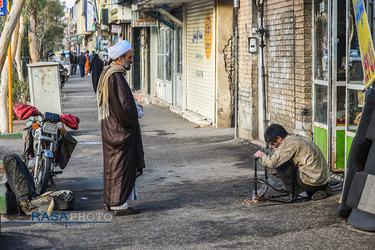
(3, 7)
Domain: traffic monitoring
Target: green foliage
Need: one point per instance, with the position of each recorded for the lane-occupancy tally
(20, 89)
(2, 22)
(50, 25)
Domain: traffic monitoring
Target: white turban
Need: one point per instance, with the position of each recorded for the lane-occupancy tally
(119, 49)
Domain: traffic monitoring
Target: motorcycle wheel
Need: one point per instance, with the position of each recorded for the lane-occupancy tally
(44, 174)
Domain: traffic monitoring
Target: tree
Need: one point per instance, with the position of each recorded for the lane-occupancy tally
(19, 48)
(6, 34)
(46, 28)
(45, 25)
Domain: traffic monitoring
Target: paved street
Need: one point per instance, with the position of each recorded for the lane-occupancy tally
(195, 193)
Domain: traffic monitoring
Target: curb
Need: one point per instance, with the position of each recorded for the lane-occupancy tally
(11, 136)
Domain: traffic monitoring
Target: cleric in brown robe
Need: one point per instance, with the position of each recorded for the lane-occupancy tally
(121, 135)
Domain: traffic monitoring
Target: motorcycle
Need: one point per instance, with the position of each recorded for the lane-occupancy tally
(47, 144)
(63, 75)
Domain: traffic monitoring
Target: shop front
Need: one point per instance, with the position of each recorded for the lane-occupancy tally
(338, 84)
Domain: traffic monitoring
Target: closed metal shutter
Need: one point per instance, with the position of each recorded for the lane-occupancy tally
(200, 59)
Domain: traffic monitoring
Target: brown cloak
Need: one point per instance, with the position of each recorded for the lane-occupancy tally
(122, 143)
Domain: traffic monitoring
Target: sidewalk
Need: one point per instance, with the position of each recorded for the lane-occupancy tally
(195, 193)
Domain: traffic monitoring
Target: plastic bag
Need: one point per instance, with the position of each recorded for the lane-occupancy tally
(64, 150)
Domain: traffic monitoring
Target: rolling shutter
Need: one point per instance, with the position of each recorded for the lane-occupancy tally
(200, 61)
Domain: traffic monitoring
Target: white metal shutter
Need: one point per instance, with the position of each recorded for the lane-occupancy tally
(200, 62)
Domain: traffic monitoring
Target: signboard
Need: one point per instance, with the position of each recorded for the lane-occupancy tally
(90, 15)
(141, 19)
(3, 7)
(365, 42)
(116, 29)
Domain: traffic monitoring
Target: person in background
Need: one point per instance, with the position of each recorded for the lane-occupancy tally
(297, 159)
(81, 63)
(123, 156)
(87, 64)
(73, 62)
(96, 68)
(91, 55)
(70, 55)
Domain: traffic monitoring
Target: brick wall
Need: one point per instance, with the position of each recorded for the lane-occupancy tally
(247, 74)
(287, 65)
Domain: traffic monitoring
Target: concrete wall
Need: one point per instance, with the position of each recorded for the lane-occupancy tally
(288, 57)
(224, 93)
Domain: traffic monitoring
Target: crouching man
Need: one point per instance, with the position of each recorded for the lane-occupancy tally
(298, 161)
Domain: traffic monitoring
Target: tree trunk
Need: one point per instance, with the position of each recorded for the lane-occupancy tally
(4, 117)
(6, 34)
(4, 73)
(34, 44)
(19, 48)
(9, 26)
(15, 36)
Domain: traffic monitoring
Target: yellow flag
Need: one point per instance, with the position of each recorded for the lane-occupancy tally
(365, 42)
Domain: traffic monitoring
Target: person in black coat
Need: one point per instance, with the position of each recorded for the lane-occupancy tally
(81, 63)
(96, 68)
(74, 62)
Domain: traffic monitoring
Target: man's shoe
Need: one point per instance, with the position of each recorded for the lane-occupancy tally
(27, 207)
(319, 195)
(128, 211)
(328, 189)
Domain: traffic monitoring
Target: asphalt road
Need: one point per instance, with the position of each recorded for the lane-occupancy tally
(195, 193)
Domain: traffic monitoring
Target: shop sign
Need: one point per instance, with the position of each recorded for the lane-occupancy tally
(3, 7)
(142, 19)
(365, 42)
(116, 29)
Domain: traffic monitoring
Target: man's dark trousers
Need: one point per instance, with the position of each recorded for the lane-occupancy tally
(74, 68)
(82, 69)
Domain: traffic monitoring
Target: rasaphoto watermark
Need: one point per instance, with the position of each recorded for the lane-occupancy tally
(61, 220)
(56, 220)
(82, 217)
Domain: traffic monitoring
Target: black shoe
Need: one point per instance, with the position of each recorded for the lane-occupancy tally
(128, 211)
(319, 195)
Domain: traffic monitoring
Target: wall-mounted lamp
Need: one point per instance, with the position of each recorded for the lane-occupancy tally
(253, 45)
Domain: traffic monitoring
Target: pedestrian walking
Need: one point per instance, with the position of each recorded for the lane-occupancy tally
(91, 56)
(123, 156)
(82, 62)
(73, 62)
(87, 65)
(96, 68)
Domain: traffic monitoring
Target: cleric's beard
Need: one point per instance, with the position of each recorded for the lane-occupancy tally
(127, 66)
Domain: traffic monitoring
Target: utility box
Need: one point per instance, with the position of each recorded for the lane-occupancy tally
(45, 86)
(253, 45)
